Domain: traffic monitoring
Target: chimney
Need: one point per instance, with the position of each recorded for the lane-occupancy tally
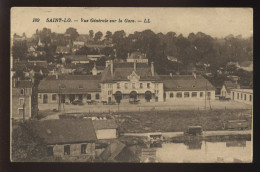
(170, 74)
(152, 68)
(57, 76)
(134, 65)
(128, 55)
(111, 68)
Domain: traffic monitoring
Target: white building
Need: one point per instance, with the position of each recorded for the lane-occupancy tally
(242, 95)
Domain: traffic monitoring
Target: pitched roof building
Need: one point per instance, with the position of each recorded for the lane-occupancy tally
(128, 82)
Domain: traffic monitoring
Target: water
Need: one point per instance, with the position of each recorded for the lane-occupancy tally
(232, 151)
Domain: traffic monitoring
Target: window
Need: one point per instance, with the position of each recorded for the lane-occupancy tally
(209, 94)
(201, 94)
(49, 151)
(148, 85)
(63, 86)
(83, 148)
(186, 94)
(22, 91)
(88, 96)
(241, 96)
(141, 85)
(126, 85)
(237, 95)
(67, 150)
(20, 112)
(244, 96)
(97, 96)
(179, 94)
(54, 97)
(118, 85)
(171, 95)
(194, 94)
(133, 85)
(21, 101)
(109, 85)
(250, 98)
(109, 92)
(80, 86)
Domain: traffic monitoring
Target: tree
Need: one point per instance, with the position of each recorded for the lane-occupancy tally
(73, 33)
(19, 50)
(108, 35)
(91, 34)
(26, 144)
(98, 36)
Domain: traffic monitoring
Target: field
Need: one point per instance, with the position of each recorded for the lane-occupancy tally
(173, 121)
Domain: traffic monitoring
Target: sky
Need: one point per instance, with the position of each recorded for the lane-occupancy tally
(217, 22)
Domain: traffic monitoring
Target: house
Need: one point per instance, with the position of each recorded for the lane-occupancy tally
(137, 57)
(95, 57)
(242, 95)
(68, 88)
(21, 99)
(187, 87)
(246, 65)
(105, 129)
(75, 59)
(226, 88)
(68, 139)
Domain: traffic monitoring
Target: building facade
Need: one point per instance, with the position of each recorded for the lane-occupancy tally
(68, 139)
(226, 88)
(128, 81)
(242, 95)
(21, 100)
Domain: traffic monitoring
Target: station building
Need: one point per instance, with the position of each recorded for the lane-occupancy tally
(131, 81)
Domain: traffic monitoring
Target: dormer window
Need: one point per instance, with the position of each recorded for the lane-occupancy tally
(193, 86)
(178, 86)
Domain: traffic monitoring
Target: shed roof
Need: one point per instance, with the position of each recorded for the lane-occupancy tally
(186, 83)
(70, 84)
(104, 124)
(65, 131)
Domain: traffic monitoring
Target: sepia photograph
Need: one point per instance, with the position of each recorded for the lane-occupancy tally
(132, 85)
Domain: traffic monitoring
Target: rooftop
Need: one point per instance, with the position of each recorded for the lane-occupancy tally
(64, 131)
(186, 83)
(104, 124)
(70, 84)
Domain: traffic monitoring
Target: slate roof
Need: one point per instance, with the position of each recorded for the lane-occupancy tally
(104, 124)
(65, 131)
(186, 83)
(110, 153)
(122, 70)
(70, 84)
